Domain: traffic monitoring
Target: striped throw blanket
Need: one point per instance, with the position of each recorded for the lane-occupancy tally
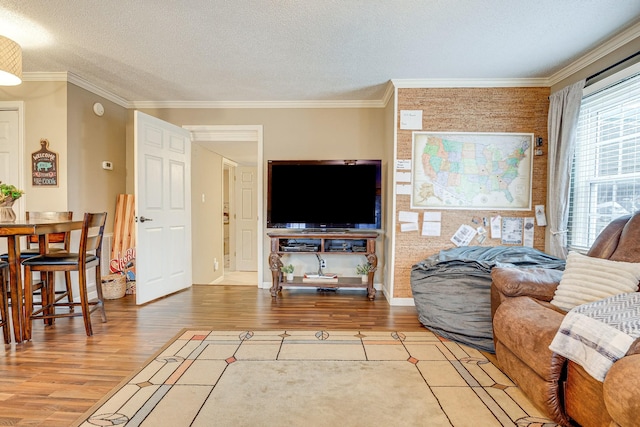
(597, 334)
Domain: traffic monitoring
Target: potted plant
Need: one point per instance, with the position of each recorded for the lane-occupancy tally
(288, 271)
(8, 195)
(363, 270)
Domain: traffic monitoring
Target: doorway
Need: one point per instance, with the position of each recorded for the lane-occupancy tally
(241, 148)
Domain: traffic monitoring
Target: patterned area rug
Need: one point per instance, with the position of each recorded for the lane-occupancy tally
(315, 378)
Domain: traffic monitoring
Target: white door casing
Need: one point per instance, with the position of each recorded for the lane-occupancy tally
(230, 169)
(12, 149)
(162, 153)
(246, 218)
(9, 156)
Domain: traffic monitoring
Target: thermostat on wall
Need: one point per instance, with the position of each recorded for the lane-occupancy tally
(107, 165)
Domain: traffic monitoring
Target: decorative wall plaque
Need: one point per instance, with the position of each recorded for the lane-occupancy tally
(44, 166)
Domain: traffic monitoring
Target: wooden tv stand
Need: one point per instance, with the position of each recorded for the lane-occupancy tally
(323, 242)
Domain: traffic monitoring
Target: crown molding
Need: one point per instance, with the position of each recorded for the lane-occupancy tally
(85, 84)
(388, 93)
(381, 103)
(221, 133)
(460, 83)
(606, 48)
(258, 104)
(44, 77)
(70, 77)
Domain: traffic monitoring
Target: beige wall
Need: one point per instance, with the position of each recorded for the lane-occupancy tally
(91, 140)
(207, 237)
(130, 162)
(304, 133)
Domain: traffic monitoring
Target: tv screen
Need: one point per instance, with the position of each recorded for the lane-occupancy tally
(324, 194)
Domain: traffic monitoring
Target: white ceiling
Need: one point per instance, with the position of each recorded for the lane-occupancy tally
(303, 53)
(202, 52)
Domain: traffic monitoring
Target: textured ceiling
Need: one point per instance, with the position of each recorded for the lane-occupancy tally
(304, 50)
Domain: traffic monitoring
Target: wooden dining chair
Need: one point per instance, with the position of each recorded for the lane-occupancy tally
(88, 255)
(4, 304)
(58, 242)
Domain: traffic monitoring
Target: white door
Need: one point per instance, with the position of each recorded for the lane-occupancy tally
(162, 153)
(246, 218)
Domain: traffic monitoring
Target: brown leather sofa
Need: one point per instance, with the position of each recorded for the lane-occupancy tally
(525, 323)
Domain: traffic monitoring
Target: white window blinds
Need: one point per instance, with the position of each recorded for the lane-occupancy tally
(605, 176)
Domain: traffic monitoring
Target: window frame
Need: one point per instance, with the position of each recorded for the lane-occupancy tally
(584, 224)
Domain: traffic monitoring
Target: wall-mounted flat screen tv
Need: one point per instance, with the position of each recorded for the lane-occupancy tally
(324, 194)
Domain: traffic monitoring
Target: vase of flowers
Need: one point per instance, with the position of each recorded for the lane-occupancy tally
(8, 195)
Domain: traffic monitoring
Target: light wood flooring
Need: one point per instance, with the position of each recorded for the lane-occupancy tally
(61, 373)
(239, 278)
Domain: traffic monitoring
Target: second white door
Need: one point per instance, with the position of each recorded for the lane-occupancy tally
(246, 218)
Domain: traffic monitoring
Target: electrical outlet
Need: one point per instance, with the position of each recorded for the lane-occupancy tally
(323, 263)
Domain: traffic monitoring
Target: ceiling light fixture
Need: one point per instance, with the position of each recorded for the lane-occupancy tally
(10, 62)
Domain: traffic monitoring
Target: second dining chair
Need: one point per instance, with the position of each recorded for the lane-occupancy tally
(58, 242)
(88, 256)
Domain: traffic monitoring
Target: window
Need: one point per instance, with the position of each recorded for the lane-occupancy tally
(605, 175)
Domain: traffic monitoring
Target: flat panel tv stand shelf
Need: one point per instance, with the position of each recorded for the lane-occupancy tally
(322, 242)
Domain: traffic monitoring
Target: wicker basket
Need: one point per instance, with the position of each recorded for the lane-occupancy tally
(114, 286)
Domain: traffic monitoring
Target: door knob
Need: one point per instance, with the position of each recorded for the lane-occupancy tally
(143, 219)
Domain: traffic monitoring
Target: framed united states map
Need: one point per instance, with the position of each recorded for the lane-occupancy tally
(467, 170)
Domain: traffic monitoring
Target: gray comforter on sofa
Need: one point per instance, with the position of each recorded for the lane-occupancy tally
(452, 289)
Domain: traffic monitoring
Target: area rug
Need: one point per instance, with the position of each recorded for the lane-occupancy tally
(315, 378)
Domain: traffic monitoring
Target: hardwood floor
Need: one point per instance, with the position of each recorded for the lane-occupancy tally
(61, 373)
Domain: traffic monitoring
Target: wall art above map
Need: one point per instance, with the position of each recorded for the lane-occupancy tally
(464, 170)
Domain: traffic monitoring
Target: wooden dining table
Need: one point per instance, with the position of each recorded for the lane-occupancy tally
(12, 232)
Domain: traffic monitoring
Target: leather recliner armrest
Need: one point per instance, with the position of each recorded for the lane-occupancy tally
(538, 283)
(621, 388)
